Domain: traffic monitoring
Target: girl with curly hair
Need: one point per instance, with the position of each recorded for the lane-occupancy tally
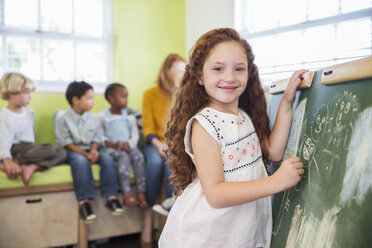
(219, 138)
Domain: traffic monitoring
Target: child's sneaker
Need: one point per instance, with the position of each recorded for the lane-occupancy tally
(86, 213)
(115, 207)
(165, 206)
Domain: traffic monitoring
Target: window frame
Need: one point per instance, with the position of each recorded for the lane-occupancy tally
(301, 26)
(59, 86)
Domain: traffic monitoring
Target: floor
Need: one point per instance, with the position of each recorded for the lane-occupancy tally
(127, 241)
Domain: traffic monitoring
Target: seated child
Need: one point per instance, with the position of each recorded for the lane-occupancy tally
(78, 130)
(121, 138)
(19, 154)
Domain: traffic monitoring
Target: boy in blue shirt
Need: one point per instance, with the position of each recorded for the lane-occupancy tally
(78, 130)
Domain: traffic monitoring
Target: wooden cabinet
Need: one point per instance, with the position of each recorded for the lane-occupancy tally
(38, 220)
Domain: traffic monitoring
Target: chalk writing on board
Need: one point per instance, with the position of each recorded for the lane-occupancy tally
(332, 122)
(318, 125)
(341, 122)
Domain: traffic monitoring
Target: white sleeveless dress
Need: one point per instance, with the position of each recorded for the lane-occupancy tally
(192, 222)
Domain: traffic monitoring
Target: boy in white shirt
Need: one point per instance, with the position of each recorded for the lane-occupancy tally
(19, 154)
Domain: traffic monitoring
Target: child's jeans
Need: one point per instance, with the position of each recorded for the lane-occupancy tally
(156, 168)
(82, 175)
(124, 160)
(44, 155)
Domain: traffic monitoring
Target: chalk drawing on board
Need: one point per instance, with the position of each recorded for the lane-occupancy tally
(294, 135)
(284, 208)
(357, 180)
(308, 231)
(341, 122)
(318, 125)
(307, 153)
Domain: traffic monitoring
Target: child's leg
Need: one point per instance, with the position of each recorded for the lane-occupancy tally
(82, 175)
(31, 153)
(124, 178)
(108, 175)
(123, 162)
(138, 164)
(59, 157)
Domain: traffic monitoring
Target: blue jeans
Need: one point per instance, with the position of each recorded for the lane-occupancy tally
(156, 167)
(82, 175)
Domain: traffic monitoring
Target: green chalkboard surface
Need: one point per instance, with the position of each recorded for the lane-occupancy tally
(332, 134)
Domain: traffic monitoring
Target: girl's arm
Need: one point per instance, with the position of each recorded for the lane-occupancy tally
(219, 194)
(280, 132)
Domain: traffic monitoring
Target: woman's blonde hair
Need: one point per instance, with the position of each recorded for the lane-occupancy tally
(165, 81)
(13, 82)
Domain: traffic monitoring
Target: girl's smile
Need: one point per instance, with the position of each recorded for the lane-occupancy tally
(225, 76)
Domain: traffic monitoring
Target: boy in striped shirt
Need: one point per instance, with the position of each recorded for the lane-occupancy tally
(19, 154)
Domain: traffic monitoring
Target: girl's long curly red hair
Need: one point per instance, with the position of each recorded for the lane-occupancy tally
(191, 98)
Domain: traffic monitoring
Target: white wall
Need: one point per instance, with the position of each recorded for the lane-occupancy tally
(204, 15)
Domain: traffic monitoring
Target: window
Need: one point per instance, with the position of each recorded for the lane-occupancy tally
(287, 35)
(57, 41)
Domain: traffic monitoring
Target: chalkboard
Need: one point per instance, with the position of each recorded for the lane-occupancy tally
(332, 134)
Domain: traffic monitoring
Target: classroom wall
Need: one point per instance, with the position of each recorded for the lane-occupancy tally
(205, 15)
(44, 106)
(146, 31)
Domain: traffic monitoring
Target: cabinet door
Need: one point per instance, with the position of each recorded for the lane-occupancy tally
(107, 225)
(40, 220)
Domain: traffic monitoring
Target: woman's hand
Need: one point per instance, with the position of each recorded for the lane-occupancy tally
(161, 147)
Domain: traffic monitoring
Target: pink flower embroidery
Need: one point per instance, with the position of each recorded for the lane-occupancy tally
(244, 151)
(231, 157)
(253, 147)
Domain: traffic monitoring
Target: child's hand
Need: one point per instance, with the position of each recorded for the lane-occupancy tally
(125, 147)
(117, 146)
(294, 82)
(12, 169)
(93, 156)
(289, 173)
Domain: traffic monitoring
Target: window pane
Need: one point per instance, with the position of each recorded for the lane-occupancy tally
(58, 60)
(319, 43)
(264, 50)
(88, 20)
(289, 47)
(23, 56)
(354, 38)
(262, 15)
(91, 62)
(321, 8)
(352, 5)
(21, 13)
(56, 15)
(287, 14)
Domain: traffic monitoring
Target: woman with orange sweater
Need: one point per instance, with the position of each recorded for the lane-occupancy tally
(155, 113)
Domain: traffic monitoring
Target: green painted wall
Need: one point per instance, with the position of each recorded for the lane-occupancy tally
(146, 31)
